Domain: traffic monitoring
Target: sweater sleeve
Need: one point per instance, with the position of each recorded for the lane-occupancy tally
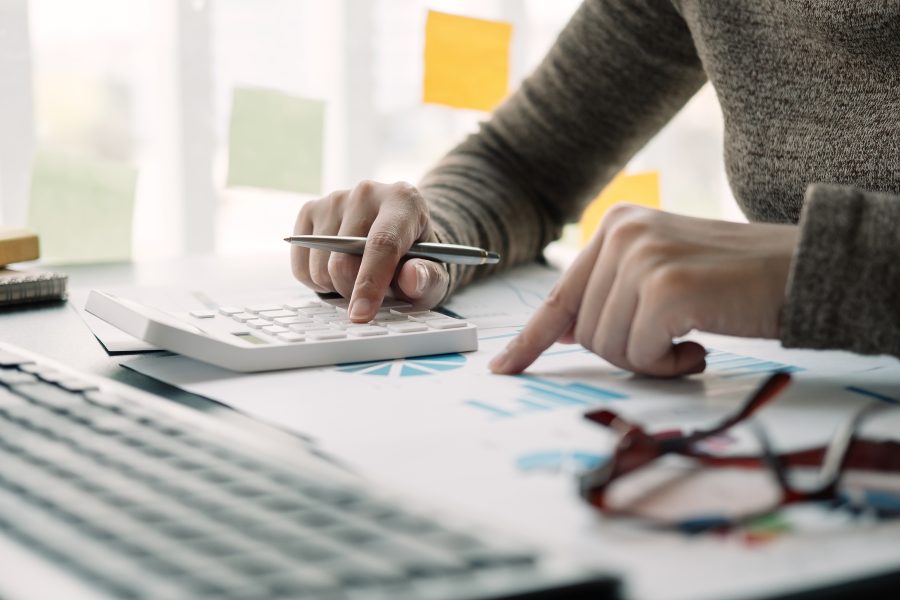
(844, 287)
(617, 73)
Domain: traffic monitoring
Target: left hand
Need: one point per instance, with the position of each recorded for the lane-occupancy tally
(648, 277)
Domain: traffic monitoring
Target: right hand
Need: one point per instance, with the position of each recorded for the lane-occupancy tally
(392, 217)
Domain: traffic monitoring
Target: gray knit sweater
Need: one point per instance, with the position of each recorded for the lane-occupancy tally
(810, 91)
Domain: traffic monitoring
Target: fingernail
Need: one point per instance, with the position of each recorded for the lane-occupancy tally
(360, 308)
(421, 279)
(499, 361)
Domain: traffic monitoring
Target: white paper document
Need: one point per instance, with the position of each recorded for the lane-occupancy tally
(508, 448)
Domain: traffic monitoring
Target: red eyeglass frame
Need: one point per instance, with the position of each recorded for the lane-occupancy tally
(637, 448)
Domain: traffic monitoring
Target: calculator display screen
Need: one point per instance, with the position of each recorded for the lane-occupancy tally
(252, 339)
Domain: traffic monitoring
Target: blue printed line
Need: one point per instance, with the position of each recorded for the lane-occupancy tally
(871, 394)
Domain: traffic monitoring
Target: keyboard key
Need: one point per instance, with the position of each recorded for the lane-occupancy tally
(257, 323)
(11, 377)
(229, 311)
(326, 334)
(76, 385)
(406, 327)
(243, 317)
(275, 314)
(11, 359)
(366, 331)
(48, 395)
(203, 314)
(447, 323)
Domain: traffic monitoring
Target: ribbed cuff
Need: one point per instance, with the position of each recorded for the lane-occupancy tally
(843, 286)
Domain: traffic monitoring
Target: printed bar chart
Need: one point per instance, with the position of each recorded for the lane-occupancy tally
(541, 395)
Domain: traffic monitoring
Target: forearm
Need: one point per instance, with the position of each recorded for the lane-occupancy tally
(844, 288)
(616, 75)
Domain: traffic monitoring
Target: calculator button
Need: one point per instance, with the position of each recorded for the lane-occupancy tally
(390, 303)
(203, 314)
(317, 310)
(326, 334)
(290, 336)
(302, 327)
(257, 323)
(338, 303)
(329, 318)
(366, 331)
(341, 324)
(292, 320)
(273, 329)
(301, 304)
(274, 314)
(243, 317)
(446, 323)
(388, 316)
(409, 310)
(258, 308)
(406, 327)
(229, 311)
(421, 317)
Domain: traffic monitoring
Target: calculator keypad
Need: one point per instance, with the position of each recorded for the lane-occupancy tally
(323, 320)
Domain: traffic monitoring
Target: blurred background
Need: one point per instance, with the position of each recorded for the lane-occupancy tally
(139, 129)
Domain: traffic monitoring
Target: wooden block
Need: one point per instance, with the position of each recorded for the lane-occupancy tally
(17, 245)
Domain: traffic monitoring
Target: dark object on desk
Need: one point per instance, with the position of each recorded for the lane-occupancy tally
(23, 287)
(125, 495)
(444, 253)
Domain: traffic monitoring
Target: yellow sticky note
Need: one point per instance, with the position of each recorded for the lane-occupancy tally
(466, 61)
(276, 141)
(82, 208)
(636, 188)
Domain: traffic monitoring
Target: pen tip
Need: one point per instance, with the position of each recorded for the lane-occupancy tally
(287, 239)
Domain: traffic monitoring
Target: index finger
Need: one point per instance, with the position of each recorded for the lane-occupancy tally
(391, 235)
(554, 317)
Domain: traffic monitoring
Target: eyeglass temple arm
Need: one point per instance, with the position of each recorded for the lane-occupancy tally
(770, 388)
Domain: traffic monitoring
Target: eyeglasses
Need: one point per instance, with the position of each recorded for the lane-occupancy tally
(667, 479)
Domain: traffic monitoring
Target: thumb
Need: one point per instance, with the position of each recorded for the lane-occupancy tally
(423, 282)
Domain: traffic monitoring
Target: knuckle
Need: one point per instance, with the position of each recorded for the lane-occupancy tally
(625, 232)
(624, 211)
(365, 188)
(342, 267)
(669, 281)
(385, 242)
(607, 350)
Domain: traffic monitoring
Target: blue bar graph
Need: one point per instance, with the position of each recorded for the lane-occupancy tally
(542, 395)
(728, 364)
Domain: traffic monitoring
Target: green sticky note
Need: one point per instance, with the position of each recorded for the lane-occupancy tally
(275, 141)
(82, 208)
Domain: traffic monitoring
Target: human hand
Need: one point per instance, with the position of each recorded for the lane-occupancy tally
(648, 277)
(392, 217)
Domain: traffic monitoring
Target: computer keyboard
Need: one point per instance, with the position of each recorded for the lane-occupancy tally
(282, 333)
(138, 497)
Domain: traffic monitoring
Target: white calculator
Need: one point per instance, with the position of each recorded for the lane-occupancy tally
(289, 334)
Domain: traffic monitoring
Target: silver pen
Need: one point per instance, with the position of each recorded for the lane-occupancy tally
(445, 253)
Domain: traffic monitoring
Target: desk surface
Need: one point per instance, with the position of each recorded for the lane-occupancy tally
(58, 332)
